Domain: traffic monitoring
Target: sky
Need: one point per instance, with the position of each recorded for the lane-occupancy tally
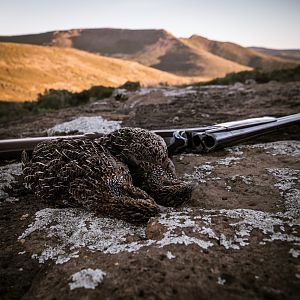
(267, 23)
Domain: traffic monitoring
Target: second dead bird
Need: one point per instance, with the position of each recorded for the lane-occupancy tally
(124, 174)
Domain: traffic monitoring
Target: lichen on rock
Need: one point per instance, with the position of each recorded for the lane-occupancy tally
(73, 229)
(7, 177)
(87, 278)
(287, 148)
(288, 181)
(85, 125)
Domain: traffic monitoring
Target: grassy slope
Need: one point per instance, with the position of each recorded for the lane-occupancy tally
(239, 54)
(213, 64)
(155, 48)
(26, 70)
(290, 54)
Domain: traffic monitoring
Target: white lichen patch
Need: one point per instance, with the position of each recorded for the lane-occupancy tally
(180, 221)
(245, 179)
(170, 255)
(76, 229)
(229, 160)
(55, 253)
(236, 150)
(288, 183)
(177, 92)
(146, 91)
(86, 125)
(200, 173)
(266, 223)
(228, 187)
(284, 148)
(7, 177)
(87, 278)
(221, 281)
(287, 148)
(294, 253)
(64, 232)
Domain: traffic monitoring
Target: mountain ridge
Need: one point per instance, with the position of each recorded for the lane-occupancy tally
(158, 48)
(290, 54)
(155, 48)
(111, 56)
(239, 54)
(27, 70)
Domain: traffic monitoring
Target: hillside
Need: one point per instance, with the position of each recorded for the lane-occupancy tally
(291, 54)
(155, 48)
(26, 70)
(239, 54)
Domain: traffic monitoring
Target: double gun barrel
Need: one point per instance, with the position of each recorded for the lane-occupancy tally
(196, 140)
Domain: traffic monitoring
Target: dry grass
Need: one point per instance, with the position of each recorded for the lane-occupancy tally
(153, 48)
(26, 70)
(196, 56)
(290, 54)
(213, 65)
(239, 54)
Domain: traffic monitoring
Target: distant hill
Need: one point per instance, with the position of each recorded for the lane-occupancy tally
(26, 70)
(118, 55)
(156, 48)
(239, 54)
(291, 54)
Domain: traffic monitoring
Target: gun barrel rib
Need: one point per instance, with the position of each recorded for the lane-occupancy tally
(231, 137)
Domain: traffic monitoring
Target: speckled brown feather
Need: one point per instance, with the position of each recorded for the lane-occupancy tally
(83, 173)
(146, 155)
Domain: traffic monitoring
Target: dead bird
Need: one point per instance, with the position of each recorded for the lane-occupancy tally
(146, 155)
(78, 172)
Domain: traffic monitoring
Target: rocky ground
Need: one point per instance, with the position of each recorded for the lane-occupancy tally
(238, 237)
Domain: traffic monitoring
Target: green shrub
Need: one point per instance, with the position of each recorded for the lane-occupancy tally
(131, 86)
(257, 75)
(95, 93)
(12, 110)
(54, 99)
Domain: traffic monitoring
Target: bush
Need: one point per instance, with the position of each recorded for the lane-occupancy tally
(131, 86)
(259, 76)
(95, 93)
(10, 109)
(54, 99)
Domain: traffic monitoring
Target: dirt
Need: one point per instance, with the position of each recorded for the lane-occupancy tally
(238, 237)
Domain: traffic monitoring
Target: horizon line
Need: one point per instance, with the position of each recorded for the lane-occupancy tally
(141, 29)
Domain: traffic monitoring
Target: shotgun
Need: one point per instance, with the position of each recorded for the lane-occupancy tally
(195, 140)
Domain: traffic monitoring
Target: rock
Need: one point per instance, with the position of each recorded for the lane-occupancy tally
(121, 97)
(250, 82)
